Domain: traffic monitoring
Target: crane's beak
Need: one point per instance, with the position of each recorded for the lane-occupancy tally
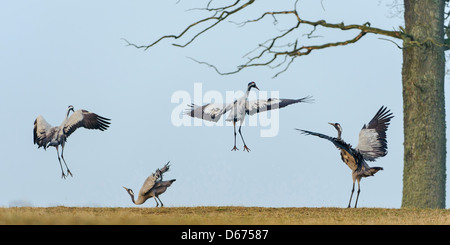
(336, 126)
(256, 87)
(332, 124)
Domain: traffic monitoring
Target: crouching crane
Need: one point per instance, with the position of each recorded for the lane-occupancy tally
(153, 187)
(372, 144)
(239, 108)
(45, 135)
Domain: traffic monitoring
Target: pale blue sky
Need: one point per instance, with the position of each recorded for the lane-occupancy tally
(60, 53)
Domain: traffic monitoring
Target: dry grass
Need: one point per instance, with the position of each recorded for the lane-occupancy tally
(221, 216)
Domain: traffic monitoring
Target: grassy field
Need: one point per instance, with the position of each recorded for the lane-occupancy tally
(221, 216)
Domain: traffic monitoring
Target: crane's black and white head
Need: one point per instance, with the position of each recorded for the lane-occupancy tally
(338, 127)
(130, 191)
(70, 108)
(252, 85)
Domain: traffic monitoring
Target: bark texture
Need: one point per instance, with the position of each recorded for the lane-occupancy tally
(424, 105)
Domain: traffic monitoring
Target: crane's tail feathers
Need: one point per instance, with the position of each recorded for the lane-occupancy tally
(374, 170)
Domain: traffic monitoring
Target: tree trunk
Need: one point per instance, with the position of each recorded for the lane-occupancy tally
(424, 105)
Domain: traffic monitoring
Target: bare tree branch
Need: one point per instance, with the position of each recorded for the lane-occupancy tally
(364, 27)
(268, 53)
(220, 14)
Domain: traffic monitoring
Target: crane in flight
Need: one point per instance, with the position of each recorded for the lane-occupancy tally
(372, 144)
(239, 108)
(45, 135)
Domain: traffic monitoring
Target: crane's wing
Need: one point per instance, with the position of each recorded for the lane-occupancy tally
(165, 168)
(160, 172)
(166, 183)
(351, 157)
(210, 112)
(148, 184)
(372, 142)
(86, 119)
(42, 132)
(256, 106)
(337, 142)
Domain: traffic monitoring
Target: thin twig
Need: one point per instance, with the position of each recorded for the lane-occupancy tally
(268, 53)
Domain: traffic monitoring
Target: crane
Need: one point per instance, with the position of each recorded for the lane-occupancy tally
(239, 108)
(45, 135)
(372, 144)
(153, 187)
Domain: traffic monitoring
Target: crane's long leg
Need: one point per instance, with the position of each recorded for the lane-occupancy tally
(157, 204)
(353, 189)
(359, 190)
(62, 155)
(162, 205)
(59, 159)
(234, 126)
(245, 146)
